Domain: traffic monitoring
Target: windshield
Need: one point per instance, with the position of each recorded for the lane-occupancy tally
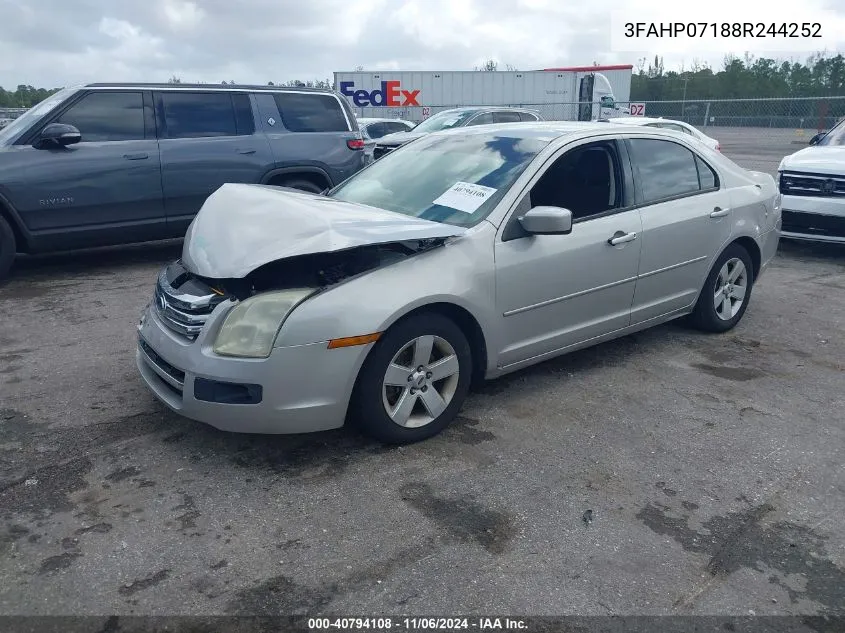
(836, 136)
(20, 124)
(455, 179)
(445, 120)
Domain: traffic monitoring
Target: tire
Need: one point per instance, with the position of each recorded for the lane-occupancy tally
(8, 247)
(728, 286)
(404, 345)
(301, 184)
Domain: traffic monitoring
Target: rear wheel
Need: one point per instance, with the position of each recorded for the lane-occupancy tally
(726, 292)
(300, 183)
(8, 247)
(415, 380)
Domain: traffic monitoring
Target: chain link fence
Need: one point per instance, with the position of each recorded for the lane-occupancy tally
(11, 113)
(756, 133)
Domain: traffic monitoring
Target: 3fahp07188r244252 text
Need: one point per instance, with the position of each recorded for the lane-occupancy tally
(724, 29)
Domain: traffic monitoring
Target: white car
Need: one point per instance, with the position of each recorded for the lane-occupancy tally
(812, 186)
(373, 129)
(670, 124)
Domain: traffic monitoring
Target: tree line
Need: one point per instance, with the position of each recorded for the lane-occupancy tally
(749, 77)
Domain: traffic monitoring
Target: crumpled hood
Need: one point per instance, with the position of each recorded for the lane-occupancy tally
(400, 138)
(242, 227)
(821, 159)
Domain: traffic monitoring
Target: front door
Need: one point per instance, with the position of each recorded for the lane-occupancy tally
(555, 291)
(104, 189)
(686, 222)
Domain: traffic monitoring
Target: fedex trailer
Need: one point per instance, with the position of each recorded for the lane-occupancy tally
(563, 94)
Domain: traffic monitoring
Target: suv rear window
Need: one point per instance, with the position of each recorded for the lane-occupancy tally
(310, 112)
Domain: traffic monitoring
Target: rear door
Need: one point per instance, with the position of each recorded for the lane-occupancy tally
(104, 189)
(207, 139)
(686, 219)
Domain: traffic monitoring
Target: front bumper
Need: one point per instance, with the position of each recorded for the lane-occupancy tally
(813, 218)
(302, 389)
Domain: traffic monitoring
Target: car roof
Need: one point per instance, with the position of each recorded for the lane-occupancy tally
(552, 130)
(487, 109)
(643, 120)
(207, 87)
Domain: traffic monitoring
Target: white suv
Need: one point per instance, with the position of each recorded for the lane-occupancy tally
(812, 185)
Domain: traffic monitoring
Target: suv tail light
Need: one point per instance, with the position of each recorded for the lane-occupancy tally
(355, 143)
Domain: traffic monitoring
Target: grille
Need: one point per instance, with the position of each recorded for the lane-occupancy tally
(817, 185)
(183, 302)
(813, 224)
(177, 374)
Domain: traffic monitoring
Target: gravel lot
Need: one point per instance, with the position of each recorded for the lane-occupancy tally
(712, 467)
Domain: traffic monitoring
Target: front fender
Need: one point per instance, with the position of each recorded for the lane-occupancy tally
(459, 273)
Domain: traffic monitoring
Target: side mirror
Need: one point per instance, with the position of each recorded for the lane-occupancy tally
(547, 221)
(58, 135)
(816, 138)
(607, 102)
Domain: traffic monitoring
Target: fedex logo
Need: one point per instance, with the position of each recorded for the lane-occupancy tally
(389, 95)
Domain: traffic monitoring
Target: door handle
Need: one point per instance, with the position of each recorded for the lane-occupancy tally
(621, 238)
(246, 151)
(136, 156)
(718, 212)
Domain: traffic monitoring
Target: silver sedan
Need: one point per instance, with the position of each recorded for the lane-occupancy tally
(462, 256)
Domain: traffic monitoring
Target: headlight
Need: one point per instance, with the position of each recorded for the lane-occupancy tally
(250, 328)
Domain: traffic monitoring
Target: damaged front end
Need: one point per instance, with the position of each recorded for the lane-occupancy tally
(184, 300)
(252, 239)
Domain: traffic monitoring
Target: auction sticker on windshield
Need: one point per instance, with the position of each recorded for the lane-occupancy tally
(465, 197)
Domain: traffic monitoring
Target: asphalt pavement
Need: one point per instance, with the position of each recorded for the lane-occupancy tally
(666, 472)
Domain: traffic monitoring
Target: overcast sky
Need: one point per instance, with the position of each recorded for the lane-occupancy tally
(48, 43)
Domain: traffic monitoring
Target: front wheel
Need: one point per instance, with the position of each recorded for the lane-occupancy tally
(726, 292)
(415, 380)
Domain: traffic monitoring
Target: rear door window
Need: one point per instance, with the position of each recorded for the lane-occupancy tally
(505, 117)
(107, 116)
(666, 169)
(528, 116)
(376, 130)
(394, 126)
(706, 176)
(199, 114)
(482, 119)
(244, 120)
(317, 112)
